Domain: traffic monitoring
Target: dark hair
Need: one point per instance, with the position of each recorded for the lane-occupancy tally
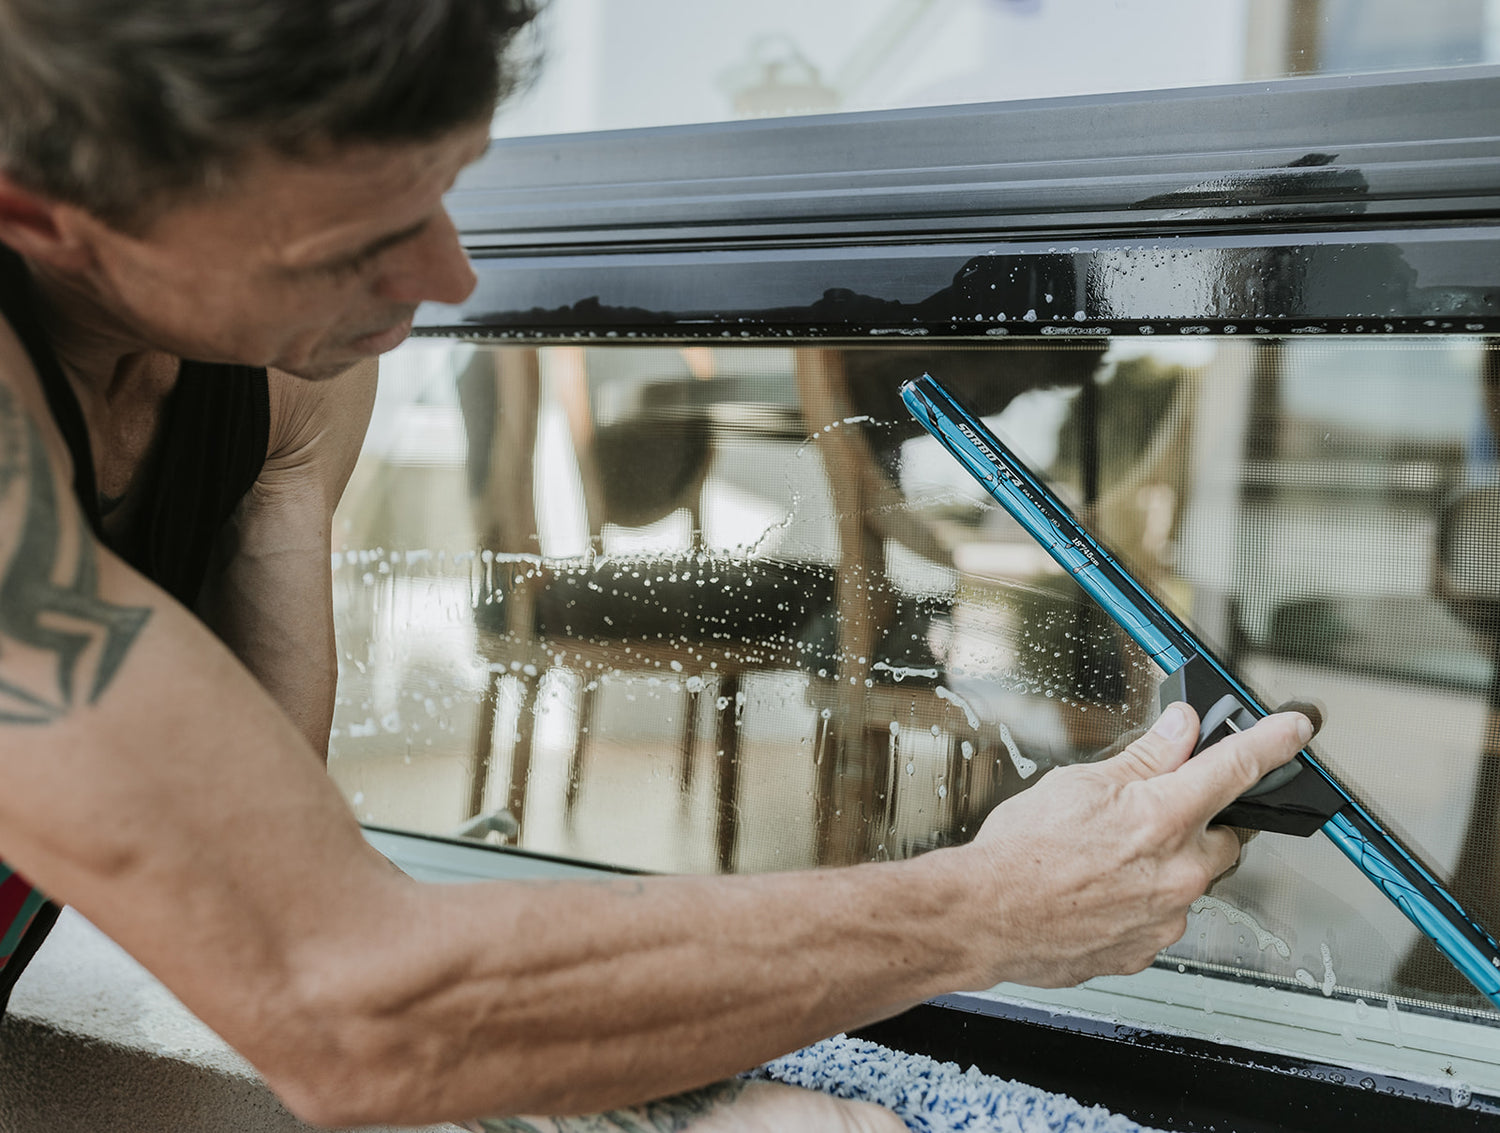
(124, 107)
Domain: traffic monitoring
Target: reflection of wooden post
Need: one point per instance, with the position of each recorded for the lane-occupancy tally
(505, 518)
(583, 735)
(862, 598)
(727, 826)
(1283, 37)
(1304, 41)
(520, 751)
(484, 745)
(688, 743)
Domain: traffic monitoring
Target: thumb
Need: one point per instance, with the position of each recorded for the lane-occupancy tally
(1164, 748)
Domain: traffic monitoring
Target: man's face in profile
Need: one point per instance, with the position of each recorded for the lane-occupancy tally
(307, 265)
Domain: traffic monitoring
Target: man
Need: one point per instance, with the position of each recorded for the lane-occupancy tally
(213, 213)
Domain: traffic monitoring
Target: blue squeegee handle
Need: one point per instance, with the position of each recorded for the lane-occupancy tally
(1377, 854)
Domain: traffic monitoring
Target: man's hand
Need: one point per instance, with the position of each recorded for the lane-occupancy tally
(1097, 864)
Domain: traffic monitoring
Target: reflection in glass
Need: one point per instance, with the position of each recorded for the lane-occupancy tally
(730, 609)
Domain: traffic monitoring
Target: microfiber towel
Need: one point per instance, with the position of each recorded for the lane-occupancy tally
(938, 1097)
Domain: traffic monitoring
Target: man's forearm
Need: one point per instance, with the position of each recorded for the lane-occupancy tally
(656, 986)
(577, 998)
(221, 857)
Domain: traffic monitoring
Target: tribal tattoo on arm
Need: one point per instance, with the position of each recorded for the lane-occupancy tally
(669, 1115)
(64, 618)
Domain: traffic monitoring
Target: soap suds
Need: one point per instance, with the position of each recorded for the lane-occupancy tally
(1264, 938)
(901, 672)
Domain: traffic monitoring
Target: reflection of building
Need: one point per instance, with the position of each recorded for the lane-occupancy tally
(777, 79)
(1354, 485)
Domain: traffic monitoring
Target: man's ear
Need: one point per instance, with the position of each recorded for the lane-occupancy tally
(40, 228)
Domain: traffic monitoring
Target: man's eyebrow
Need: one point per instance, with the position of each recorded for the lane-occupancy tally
(373, 248)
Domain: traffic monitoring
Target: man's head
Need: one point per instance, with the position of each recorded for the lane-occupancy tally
(248, 180)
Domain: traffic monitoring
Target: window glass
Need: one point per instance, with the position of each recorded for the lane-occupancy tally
(699, 609)
(610, 64)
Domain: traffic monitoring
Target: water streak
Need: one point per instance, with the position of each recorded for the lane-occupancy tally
(1307, 979)
(901, 672)
(1026, 768)
(944, 693)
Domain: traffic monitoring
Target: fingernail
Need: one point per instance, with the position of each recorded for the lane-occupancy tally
(1172, 724)
(1304, 727)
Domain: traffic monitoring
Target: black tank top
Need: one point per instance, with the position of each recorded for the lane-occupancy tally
(210, 449)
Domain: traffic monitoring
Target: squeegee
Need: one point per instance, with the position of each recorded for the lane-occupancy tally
(1298, 798)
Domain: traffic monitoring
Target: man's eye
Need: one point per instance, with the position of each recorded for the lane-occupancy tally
(343, 269)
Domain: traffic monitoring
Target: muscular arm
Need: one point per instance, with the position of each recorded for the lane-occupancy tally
(220, 856)
(267, 595)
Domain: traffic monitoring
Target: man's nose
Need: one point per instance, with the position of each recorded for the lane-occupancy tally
(432, 267)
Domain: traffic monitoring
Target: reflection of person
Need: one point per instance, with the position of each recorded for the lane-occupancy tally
(258, 184)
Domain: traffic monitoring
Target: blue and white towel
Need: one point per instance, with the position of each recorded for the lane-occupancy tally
(938, 1097)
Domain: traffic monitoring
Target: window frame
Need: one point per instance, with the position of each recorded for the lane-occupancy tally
(893, 223)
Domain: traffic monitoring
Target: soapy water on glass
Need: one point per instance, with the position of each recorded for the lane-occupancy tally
(1263, 937)
(1307, 979)
(1025, 767)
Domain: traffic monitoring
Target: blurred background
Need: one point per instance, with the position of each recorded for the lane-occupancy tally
(618, 64)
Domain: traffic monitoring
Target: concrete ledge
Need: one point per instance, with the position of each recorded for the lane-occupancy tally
(94, 1042)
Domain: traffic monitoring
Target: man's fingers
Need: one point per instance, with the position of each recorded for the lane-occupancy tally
(1243, 836)
(1119, 744)
(1223, 772)
(1164, 748)
(1309, 708)
(1222, 846)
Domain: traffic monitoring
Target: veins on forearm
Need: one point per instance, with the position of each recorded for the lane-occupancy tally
(669, 1115)
(64, 619)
